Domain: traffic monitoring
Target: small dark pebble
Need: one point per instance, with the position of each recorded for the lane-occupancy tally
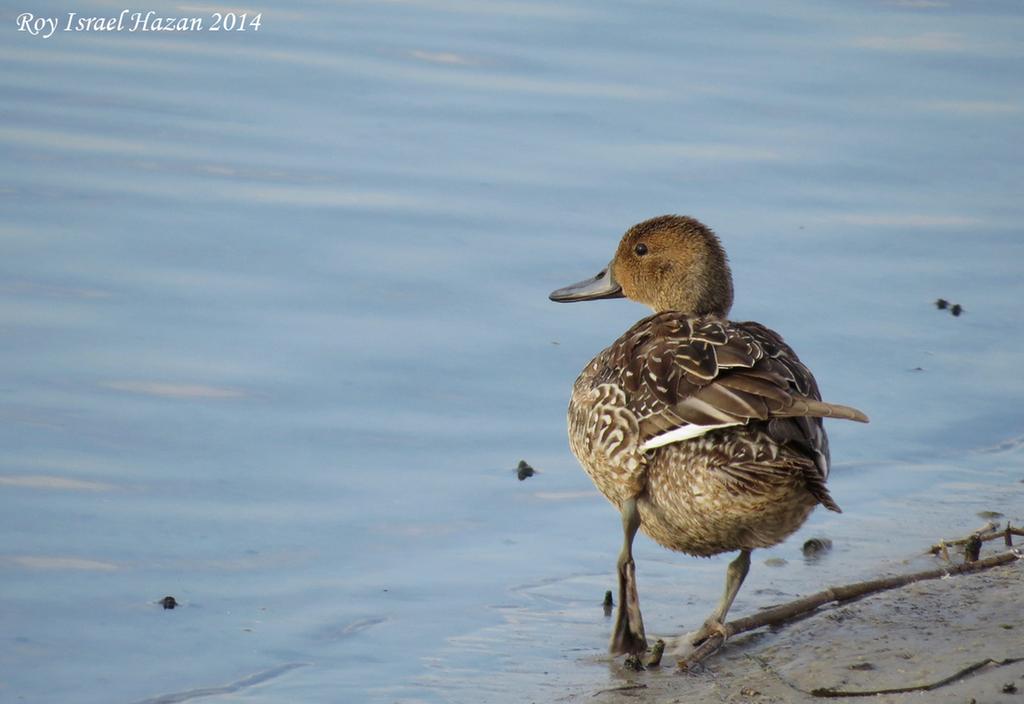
(816, 547)
(168, 602)
(942, 304)
(956, 310)
(524, 471)
(633, 662)
(1009, 688)
(749, 692)
(862, 666)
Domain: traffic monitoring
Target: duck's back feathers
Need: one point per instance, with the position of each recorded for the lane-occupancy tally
(681, 377)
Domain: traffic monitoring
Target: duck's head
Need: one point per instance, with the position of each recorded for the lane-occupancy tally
(670, 262)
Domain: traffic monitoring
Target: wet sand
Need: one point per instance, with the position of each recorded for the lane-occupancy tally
(916, 635)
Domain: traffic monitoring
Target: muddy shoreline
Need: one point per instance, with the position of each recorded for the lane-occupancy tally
(917, 635)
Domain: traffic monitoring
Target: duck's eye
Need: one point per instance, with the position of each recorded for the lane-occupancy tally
(640, 249)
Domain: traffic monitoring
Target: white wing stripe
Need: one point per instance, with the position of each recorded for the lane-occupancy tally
(686, 432)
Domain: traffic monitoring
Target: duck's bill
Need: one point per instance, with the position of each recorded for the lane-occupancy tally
(601, 286)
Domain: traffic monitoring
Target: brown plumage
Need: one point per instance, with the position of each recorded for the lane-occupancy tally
(705, 433)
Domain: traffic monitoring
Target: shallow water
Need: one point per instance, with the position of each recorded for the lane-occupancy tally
(276, 331)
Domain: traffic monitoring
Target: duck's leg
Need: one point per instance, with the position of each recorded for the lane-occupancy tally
(734, 576)
(628, 636)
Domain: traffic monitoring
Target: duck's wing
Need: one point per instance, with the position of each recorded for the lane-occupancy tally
(684, 377)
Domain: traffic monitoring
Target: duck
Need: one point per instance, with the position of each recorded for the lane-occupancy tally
(705, 433)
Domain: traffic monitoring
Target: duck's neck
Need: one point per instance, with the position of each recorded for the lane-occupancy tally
(702, 289)
(699, 299)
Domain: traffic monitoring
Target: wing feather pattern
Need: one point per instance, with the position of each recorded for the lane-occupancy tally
(682, 371)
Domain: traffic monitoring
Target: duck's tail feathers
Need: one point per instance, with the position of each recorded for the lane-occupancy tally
(825, 498)
(816, 485)
(820, 409)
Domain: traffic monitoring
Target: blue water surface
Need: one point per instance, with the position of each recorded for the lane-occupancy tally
(275, 329)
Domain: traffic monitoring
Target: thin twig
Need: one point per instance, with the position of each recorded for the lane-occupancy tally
(624, 688)
(985, 530)
(991, 531)
(830, 693)
(786, 612)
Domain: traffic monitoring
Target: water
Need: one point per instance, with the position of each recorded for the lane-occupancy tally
(275, 328)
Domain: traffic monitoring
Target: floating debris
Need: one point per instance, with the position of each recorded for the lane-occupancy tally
(775, 562)
(989, 514)
(168, 602)
(816, 547)
(955, 308)
(524, 471)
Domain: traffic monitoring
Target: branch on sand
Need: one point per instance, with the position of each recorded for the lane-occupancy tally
(786, 612)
